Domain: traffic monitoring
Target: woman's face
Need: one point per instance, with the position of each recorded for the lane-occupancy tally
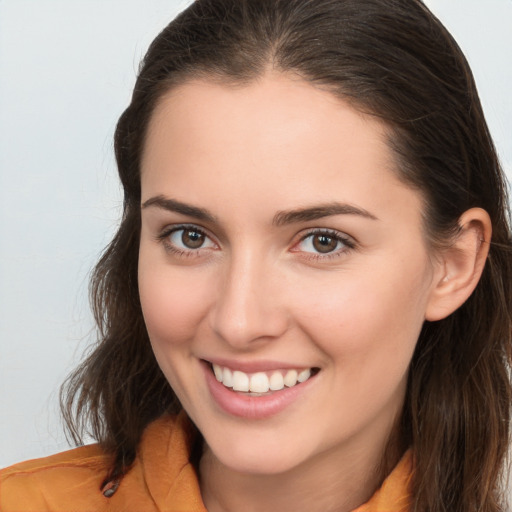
(276, 243)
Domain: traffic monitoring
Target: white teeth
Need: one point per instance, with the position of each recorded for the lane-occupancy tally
(240, 381)
(218, 372)
(290, 379)
(304, 375)
(260, 382)
(276, 381)
(227, 378)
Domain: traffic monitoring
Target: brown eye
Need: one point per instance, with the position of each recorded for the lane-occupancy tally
(187, 239)
(324, 243)
(192, 239)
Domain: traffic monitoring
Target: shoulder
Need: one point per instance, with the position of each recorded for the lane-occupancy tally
(161, 478)
(35, 484)
(84, 456)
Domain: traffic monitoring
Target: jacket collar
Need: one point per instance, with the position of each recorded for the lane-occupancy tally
(164, 455)
(175, 486)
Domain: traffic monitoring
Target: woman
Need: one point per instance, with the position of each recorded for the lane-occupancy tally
(307, 304)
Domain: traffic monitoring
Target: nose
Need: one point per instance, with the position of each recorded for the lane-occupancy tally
(248, 310)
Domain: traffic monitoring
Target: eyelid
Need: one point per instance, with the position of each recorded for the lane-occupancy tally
(348, 242)
(171, 228)
(164, 234)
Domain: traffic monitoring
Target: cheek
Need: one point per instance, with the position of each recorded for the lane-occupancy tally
(173, 303)
(366, 319)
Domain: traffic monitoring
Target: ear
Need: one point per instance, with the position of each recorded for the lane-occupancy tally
(460, 266)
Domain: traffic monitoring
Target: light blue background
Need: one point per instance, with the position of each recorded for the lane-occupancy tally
(67, 68)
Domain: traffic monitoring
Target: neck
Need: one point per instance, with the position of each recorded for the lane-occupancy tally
(332, 482)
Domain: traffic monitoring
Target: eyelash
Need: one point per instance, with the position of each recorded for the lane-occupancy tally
(163, 237)
(347, 242)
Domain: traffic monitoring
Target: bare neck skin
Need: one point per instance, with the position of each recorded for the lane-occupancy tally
(332, 482)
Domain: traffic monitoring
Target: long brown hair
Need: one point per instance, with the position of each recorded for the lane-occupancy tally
(389, 58)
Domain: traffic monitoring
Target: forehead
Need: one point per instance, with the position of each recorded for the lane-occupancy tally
(275, 104)
(280, 139)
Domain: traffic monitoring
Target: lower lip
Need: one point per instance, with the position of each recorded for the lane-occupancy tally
(252, 407)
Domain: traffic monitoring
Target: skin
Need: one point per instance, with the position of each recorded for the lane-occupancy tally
(260, 291)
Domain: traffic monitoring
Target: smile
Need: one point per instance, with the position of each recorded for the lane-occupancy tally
(260, 393)
(261, 382)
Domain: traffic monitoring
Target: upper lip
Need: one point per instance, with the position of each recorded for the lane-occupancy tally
(256, 366)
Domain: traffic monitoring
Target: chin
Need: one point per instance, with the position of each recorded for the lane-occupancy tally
(255, 464)
(260, 457)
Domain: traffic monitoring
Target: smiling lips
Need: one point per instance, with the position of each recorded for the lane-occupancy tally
(260, 382)
(259, 394)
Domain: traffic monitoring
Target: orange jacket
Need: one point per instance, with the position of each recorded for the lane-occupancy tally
(161, 479)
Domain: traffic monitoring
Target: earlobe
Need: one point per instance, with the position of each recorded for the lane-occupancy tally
(460, 265)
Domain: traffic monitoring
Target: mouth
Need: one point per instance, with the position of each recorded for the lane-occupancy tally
(261, 383)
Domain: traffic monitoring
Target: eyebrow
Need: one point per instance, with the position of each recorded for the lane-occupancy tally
(177, 206)
(318, 212)
(280, 218)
